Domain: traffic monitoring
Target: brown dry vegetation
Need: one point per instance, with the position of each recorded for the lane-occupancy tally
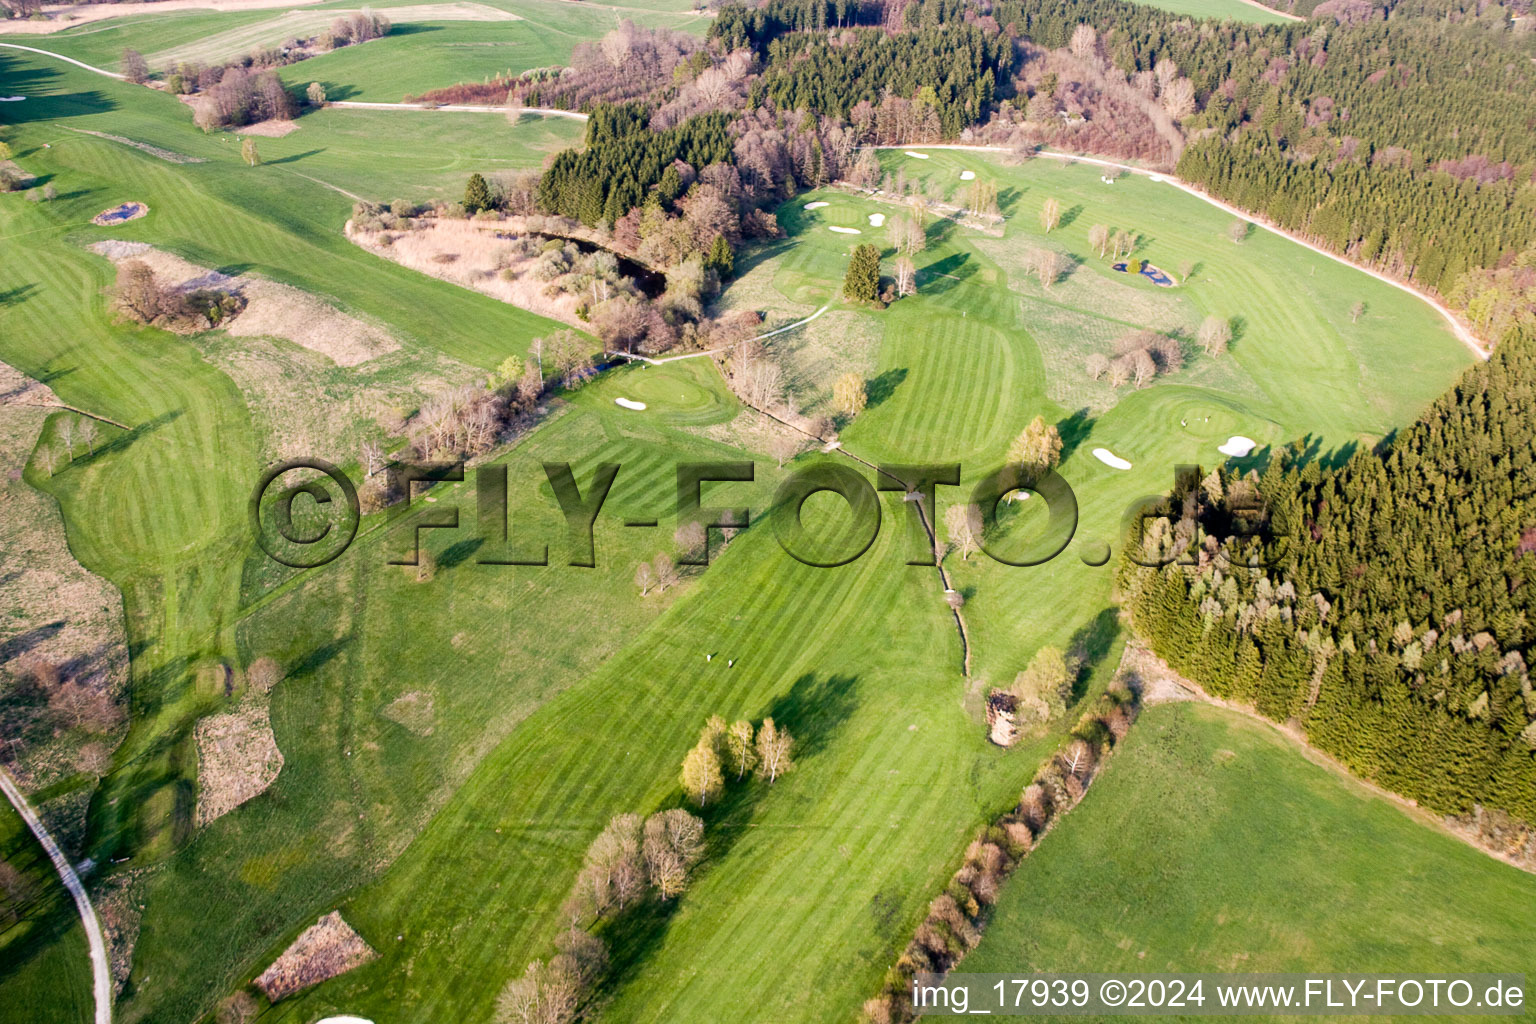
(468, 253)
(325, 949)
(237, 757)
(957, 917)
(63, 652)
(271, 309)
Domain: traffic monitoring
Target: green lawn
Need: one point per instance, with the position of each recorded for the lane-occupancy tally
(1234, 10)
(419, 54)
(1211, 844)
(560, 697)
(42, 945)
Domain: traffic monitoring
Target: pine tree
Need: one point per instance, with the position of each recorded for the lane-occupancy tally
(477, 194)
(862, 281)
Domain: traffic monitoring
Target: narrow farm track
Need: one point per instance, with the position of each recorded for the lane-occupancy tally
(67, 60)
(1460, 330)
(459, 108)
(101, 977)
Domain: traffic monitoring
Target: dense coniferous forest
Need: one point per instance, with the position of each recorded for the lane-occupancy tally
(623, 158)
(1399, 606)
(954, 68)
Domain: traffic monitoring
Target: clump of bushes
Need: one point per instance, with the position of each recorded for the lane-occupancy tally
(957, 917)
(143, 298)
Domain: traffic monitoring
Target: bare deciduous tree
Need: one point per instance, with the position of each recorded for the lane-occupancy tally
(1085, 42)
(906, 276)
(740, 750)
(775, 750)
(1098, 237)
(1050, 215)
(1214, 334)
(88, 433)
(701, 777)
(784, 446)
(644, 578)
(1356, 311)
(962, 523)
(664, 571)
(849, 395)
(1237, 231)
(263, 674)
(1097, 365)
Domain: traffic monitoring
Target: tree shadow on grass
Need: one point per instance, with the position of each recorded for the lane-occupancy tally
(296, 157)
(812, 711)
(881, 388)
(122, 440)
(459, 552)
(1074, 430)
(1008, 199)
(948, 272)
(1089, 646)
(1068, 216)
(757, 254)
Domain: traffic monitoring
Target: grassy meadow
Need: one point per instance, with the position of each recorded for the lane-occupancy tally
(1224, 10)
(556, 696)
(422, 52)
(1211, 843)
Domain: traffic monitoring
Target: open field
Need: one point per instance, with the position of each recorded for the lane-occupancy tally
(1212, 844)
(424, 51)
(557, 696)
(985, 347)
(1234, 10)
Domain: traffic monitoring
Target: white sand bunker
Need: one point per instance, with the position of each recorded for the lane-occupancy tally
(816, 206)
(11, 99)
(967, 175)
(1237, 446)
(915, 156)
(845, 231)
(629, 404)
(876, 219)
(1110, 459)
(344, 1020)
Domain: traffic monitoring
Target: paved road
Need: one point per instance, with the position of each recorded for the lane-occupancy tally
(100, 973)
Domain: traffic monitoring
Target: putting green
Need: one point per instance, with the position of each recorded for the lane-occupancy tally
(674, 392)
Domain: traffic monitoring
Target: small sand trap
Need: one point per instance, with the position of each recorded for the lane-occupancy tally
(343, 1020)
(627, 403)
(11, 99)
(967, 175)
(915, 156)
(119, 214)
(876, 220)
(1155, 177)
(816, 206)
(1110, 459)
(845, 231)
(1237, 446)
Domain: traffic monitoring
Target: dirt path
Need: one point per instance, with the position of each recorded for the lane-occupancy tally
(60, 56)
(100, 973)
(1461, 331)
